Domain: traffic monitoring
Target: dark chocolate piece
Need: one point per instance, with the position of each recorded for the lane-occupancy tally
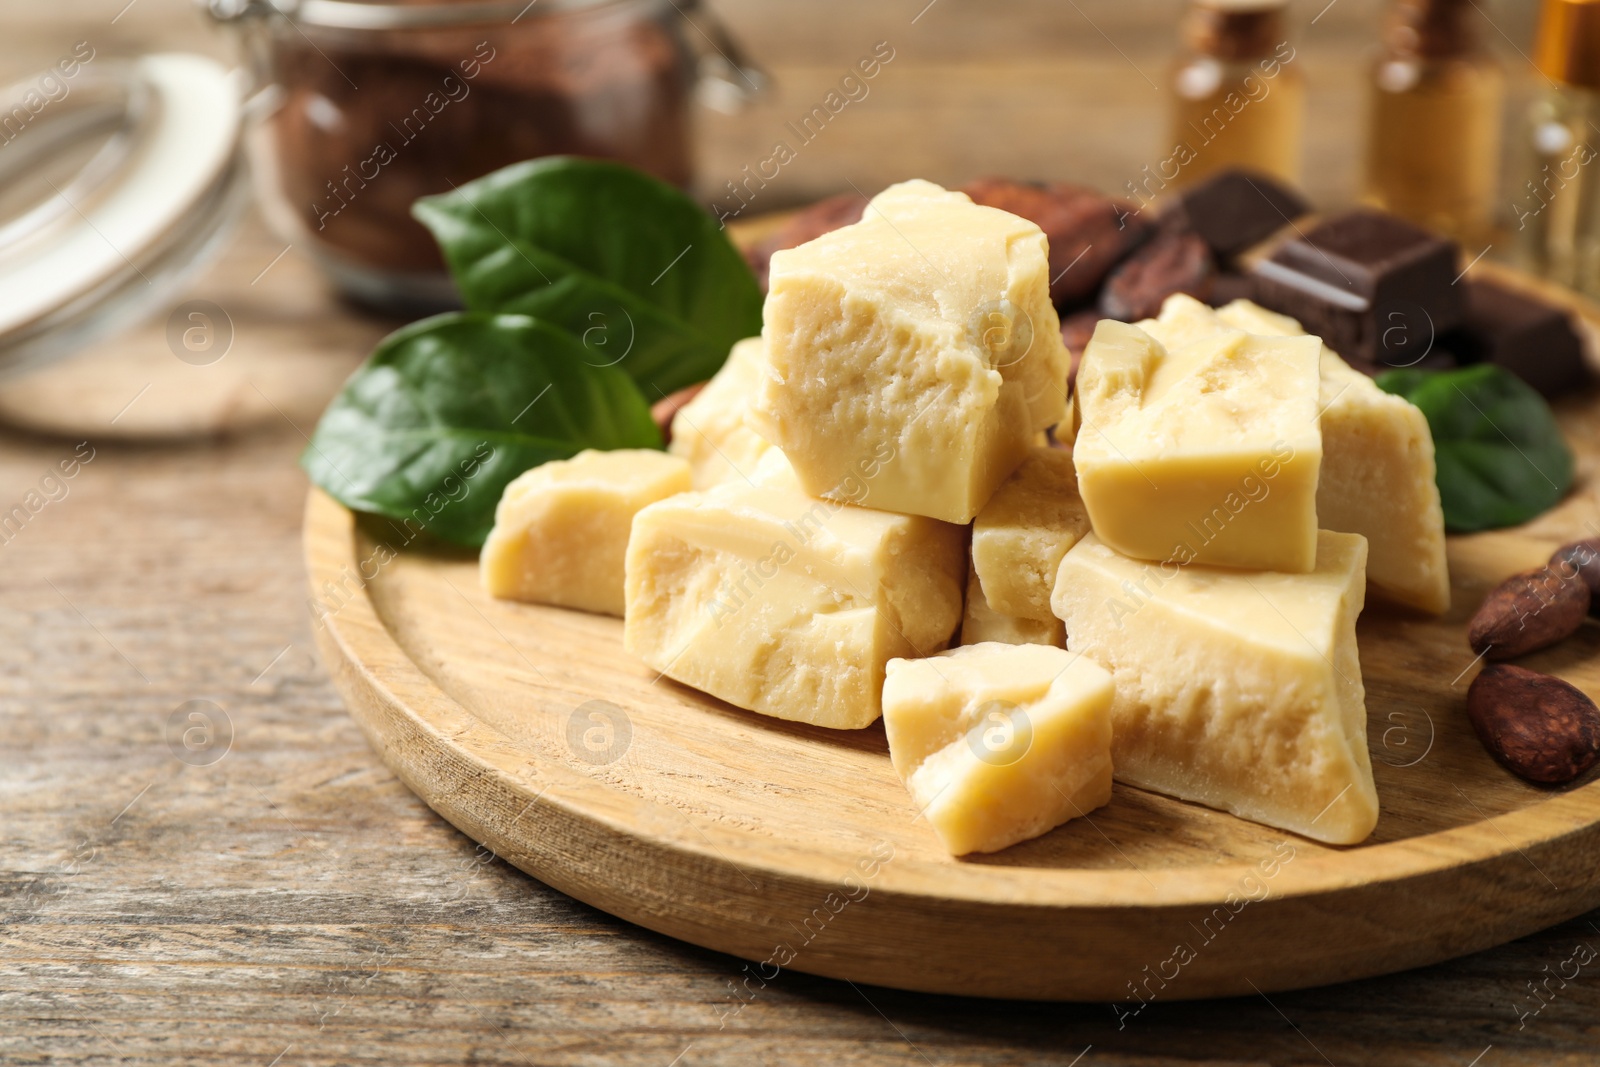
(1375, 288)
(1089, 233)
(1174, 261)
(1234, 210)
(1529, 337)
(1439, 357)
(825, 216)
(1228, 287)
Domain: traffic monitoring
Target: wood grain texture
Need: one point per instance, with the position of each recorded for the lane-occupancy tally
(531, 729)
(294, 903)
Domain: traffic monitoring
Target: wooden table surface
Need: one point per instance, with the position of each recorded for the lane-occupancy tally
(281, 898)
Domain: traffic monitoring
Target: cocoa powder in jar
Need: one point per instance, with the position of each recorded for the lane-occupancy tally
(374, 119)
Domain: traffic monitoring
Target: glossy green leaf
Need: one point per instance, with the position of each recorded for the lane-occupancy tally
(447, 411)
(1501, 458)
(630, 265)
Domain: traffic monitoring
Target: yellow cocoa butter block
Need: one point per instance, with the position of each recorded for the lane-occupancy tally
(924, 336)
(982, 623)
(1019, 537)
(788, 605)
(561, 529)
(1235, 689)
(1205, 452)
(710, 431)
(1000, 743)
(1378, 473)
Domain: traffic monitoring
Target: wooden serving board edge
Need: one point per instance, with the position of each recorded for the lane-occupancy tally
(680, 879)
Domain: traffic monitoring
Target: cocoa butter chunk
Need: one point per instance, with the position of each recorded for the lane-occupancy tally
(1537, 727)
(1375, 288)
(709, 429)
(1088, 231)
(785, 605)
(1239, 690)
(1234, 210)
(1529, 337)
(561, 529)
(1173, 434)
(998, 743)
(1527, 612)
(1174, 261)
(1582, 558)
(912, 358)
(809, 223)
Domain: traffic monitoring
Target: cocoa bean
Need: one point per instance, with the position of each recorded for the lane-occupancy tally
(1089, 232)
(664, 410)
(1528, 612)
(1582, 558)
(1172, 262)
(824, 216)
(1538, 727)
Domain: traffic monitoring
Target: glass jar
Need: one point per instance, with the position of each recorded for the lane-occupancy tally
(381, 103)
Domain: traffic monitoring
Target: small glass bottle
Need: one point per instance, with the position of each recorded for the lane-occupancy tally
(1433, 120)
(1238, 97)
(1555, 203)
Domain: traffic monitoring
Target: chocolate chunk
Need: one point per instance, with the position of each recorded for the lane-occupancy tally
(825, 216)
(1439, 357)
(1532, 339)
(1234, 210)
(1228, 287)
(1175, 261)
(1089, 233)
(1376, 289)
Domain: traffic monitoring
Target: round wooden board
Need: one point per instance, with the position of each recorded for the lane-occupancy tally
(532, 731)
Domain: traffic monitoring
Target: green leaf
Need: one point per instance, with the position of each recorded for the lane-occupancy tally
(631, 265)
(1501, 458)
(447, 411)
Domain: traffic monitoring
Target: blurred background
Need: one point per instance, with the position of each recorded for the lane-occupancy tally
(1080, 91)
(1025, 88)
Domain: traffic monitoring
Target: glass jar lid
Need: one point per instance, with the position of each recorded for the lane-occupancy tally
(381, 15)
(114, 190)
